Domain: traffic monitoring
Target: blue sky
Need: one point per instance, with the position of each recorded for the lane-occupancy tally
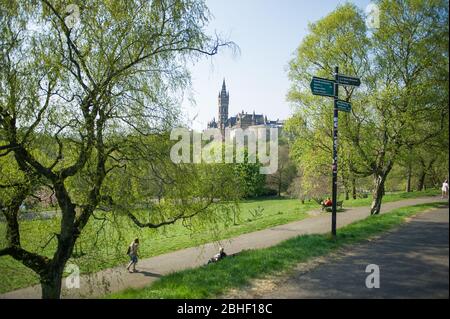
(267, 33)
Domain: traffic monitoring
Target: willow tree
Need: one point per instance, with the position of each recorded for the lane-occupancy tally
(403, 66)
(81, 73)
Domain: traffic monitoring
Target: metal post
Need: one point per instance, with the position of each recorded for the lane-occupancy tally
(335, 153)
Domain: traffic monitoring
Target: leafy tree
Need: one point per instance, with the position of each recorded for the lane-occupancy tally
(116, 72)
(421, 162)
(286, 172)
(339, 39)
(403, 66)
(251, 181)
(311, 150)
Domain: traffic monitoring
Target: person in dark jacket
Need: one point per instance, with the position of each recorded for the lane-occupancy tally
(218, 256)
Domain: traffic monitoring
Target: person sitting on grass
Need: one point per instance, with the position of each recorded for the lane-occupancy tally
(327, 202)
(218, 256)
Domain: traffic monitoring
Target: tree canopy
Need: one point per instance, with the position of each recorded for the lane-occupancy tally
(403, 100)
(81, 98)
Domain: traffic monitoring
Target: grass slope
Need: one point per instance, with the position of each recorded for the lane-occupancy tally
(103, 244)
(215, 279)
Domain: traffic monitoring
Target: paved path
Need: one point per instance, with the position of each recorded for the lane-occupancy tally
(116, 279)
(413, 263)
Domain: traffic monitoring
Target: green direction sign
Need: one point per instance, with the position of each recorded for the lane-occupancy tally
(348, 80)
(343, 106)
(321, 86)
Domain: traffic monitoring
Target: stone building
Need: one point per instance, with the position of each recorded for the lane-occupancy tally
(241, 120)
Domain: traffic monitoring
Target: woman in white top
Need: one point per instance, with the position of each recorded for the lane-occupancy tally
(445, 189)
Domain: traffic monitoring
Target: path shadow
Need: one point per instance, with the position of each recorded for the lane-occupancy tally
(339, 210)
(413, 263)
(148, 273)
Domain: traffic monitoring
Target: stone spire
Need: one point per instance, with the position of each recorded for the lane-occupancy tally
(223, 102)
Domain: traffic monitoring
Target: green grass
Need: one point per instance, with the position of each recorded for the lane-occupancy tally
(391, 197)
(106, 248)
(215, 279)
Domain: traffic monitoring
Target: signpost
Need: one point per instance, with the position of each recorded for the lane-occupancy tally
(323, 87)
(326, 87)
(335, 154)
(344, 106)
(348, 80)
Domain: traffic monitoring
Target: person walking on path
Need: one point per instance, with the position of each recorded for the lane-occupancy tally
(445, 189)
(133, 253)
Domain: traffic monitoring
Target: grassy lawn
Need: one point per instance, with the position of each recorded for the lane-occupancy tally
(390, 197)
(103, 244)
(215, 279)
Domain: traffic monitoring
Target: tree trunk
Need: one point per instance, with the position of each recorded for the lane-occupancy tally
(279, 185)
(70, 230)
(424, 172)
(354, 188)
(378, 194)
(51, 277)
(421, 184)
(346, 186)
(408, 181)
(12, 231)
(51, 283)
(11, 213)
